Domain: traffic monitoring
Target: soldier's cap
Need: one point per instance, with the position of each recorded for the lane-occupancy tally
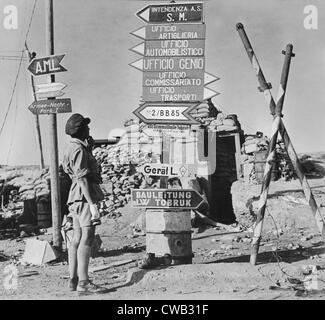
(74, 123)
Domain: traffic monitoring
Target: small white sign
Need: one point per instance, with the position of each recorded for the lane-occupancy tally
(167, 170)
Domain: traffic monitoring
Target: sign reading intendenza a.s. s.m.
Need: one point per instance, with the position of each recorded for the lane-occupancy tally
(172, 13)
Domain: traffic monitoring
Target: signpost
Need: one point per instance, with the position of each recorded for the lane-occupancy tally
(46, 65)
(51, 106)
(166, 198)
(50, 65)
(172, 13)
(173, 84)
(165, 113)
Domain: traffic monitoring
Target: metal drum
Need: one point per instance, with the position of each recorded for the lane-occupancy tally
(44, 214)
(169, 232)
(259, 166)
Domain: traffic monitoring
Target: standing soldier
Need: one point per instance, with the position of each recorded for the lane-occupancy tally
(85, 193)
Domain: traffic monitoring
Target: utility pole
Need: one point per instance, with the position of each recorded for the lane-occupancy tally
(54, 162)
(31, 56)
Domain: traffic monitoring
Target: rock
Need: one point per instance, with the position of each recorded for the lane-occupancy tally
(278, 232)
(23, 234)
(247, 240)
(237, 239)
(213, 253)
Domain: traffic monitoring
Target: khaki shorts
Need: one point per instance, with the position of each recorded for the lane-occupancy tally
(80, 213)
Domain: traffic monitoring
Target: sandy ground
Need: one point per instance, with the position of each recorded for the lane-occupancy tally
(220, 268)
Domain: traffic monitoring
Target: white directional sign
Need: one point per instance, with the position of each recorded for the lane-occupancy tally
(49, 94)
(171, 31)
(46, 87)
(50, 90)
(170, 48)
(166, 113)
(175, 94)
(209, 78)
(167, 170)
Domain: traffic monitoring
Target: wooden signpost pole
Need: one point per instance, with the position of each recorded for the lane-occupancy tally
(38, 130)
(54, 163)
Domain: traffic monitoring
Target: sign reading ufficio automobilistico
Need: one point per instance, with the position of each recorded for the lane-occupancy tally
(166, 198)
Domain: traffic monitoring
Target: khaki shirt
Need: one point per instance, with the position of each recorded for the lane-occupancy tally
(78, 162)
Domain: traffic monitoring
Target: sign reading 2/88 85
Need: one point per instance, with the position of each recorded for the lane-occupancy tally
(165, 113)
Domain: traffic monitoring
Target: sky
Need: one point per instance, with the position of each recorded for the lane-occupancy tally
(95, 36)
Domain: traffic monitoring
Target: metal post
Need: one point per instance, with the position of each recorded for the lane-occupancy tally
(54, 163)
(166, 139)
(31, 56)
(277, 126)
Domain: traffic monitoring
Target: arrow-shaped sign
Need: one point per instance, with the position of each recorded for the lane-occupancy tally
(137, 64)
(177, 31)
(189, 76)
(50, 106)
(170, 48)
(49, 94)
(50, 90)
(152, 64)
(166, 198)
(46, 65)
(172, 13)
(208, 93)
(209, 78)
(168, 113)
(46, 87)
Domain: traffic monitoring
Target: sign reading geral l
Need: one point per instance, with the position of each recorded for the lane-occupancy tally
(172, 13)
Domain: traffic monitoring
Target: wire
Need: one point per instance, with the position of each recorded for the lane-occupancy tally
(19, 67)
(13, 130)
(15, 84)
